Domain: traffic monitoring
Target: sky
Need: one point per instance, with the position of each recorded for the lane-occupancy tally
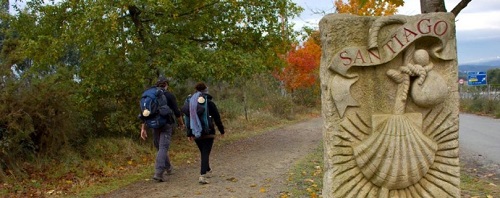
(477, 25)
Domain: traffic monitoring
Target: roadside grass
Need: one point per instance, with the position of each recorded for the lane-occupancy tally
(306, 180)
(480, 106)
(108, 160)
(476, 186)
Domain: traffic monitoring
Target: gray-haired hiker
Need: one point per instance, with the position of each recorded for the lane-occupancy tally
(200, 114)
(158, 109)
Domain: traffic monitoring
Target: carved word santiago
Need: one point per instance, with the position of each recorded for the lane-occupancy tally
(393, 45)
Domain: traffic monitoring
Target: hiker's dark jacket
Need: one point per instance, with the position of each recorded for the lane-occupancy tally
(172, 103)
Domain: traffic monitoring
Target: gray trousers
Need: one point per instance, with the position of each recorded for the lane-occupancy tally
(162, 137)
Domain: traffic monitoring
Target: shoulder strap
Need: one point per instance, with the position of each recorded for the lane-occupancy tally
(205, 113)
(161, 95)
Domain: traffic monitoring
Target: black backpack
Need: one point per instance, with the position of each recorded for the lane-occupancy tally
(203, 114)
(155, 111)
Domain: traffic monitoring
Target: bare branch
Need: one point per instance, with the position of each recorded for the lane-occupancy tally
(460, 6)
(134, 14)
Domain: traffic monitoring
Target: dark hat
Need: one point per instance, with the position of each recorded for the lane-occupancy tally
(162, 81)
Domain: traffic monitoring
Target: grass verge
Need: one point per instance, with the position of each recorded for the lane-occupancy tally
(475, 186)
(305, 179)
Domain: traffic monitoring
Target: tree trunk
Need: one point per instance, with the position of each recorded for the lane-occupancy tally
(428, 6)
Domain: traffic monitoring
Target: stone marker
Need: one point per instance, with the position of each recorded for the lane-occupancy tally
(390, 103)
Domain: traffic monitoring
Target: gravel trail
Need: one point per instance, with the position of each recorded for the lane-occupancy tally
(252, 167)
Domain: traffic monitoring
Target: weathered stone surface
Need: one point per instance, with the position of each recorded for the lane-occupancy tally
(390, 104)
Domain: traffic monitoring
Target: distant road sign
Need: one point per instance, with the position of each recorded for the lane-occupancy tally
(476, 78)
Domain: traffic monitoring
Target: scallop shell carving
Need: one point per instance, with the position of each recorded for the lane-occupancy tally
(397, 154)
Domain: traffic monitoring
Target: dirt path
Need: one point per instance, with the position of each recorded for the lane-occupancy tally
(253, 167)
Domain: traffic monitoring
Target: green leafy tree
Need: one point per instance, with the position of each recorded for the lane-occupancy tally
(123, 46)
(80, 66)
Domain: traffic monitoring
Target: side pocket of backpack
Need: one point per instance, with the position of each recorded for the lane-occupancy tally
(187, 123)
(156, 122)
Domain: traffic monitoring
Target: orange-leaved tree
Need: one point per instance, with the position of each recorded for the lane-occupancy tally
(368, 7)
(302, 66)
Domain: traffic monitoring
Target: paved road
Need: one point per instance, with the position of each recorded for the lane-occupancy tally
(480, 135)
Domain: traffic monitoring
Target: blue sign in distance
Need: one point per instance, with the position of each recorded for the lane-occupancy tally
(476, 78)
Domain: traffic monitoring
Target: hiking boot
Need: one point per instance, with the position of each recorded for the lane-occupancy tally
(202, 180)
(158, 178)
(169, 171)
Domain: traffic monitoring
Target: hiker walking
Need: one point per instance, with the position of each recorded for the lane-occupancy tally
(162, 122)
(200, 114)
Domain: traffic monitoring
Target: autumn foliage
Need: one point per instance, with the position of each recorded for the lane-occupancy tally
(302, 66)
(368, 7)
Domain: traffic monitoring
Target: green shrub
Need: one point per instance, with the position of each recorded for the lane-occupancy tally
(281, 107)
(230, 108)
(40, 118)
(308, 97)
(480, 105)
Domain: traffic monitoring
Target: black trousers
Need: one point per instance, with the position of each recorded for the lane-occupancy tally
(205, 147)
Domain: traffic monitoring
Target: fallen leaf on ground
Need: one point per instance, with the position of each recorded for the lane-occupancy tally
(232, 179)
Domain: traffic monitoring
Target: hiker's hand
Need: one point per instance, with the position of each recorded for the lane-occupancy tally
(180, 123)
(144, 134)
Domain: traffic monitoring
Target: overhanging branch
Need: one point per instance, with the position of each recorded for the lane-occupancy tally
(460, 6)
